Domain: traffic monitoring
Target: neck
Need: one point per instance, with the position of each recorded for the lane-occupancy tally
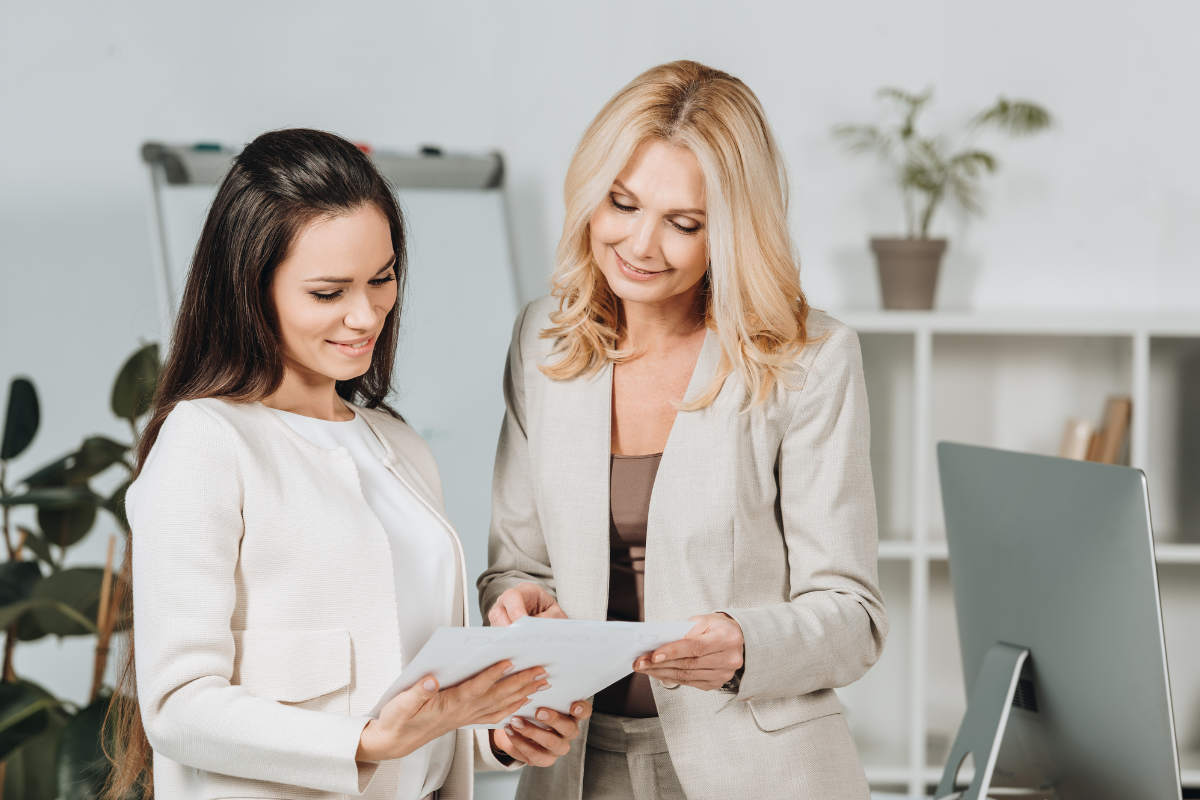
(309, 394)
(653, 326)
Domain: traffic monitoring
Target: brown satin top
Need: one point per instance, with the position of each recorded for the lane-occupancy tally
(630, 483)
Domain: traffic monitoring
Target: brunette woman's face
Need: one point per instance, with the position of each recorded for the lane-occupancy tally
(648, 236)
(332, 294)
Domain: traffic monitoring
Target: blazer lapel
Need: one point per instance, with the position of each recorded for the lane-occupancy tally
(680, 492)
(574, 443)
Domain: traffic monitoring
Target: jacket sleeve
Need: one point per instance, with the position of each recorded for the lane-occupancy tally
(516, 548)
(833, 627)
(185, 513)
(486, 760)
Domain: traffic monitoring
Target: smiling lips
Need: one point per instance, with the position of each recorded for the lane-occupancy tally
(633, 272)
(354, 348)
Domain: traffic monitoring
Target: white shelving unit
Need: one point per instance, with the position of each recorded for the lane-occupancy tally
(1011, 380)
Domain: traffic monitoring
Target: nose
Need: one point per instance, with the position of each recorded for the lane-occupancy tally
(361, 315)
(644, 238)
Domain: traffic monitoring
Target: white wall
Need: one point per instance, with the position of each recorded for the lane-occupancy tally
(1102, 212)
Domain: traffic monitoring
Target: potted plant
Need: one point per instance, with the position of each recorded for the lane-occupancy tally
(50, 748)
(929, 170)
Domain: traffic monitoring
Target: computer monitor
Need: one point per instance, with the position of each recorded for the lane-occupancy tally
(1060, 628)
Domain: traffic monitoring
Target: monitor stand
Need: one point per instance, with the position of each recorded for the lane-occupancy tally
(983, 724)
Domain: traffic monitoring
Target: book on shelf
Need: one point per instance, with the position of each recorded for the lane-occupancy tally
(1078, 440)
(1114, 434)
(1106, 444)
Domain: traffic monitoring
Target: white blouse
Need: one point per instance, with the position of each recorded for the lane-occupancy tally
(423, 561)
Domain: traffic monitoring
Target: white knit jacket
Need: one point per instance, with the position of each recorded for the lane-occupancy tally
(265, 618)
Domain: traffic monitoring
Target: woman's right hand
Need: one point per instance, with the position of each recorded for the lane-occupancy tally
(524, 599)
(422, 713)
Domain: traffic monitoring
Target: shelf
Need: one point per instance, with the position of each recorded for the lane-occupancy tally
(1009, 379)
(1176, 553)
(1189, 768)
(896, 549)
(1048, 323)
(1165, 553)
(1189, 772)
(894, 774)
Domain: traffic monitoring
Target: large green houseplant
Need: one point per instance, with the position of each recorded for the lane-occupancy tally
(928, 171)
(50, 748)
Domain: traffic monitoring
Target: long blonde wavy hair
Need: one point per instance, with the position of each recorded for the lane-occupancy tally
(753, 300)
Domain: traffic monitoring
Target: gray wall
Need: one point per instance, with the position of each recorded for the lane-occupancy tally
(1100, 213)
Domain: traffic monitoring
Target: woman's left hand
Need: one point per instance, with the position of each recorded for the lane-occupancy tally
(541, 746)
(706, 658)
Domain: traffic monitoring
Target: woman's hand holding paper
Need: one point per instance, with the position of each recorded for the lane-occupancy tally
(706, 658)
(524, 599)
(541, 744)
(424, 712)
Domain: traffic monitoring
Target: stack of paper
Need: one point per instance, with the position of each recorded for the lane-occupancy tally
(580, 657)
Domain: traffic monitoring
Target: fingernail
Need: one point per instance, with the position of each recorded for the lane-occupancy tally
(429, 685)
(539, 676)
(544, 687)
(508, 729)
(517, 723)
(577, 710)
(543, 715)
(659, 658)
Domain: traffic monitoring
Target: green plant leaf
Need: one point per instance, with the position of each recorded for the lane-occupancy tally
(31, 771)
(51, 497)
(38, 545)
(133, 390)
(916, 175)
(1017, 117)
(28, 629)
(864, 139)
(96, 454)
(66, 525)
(913, 103)
(966, 193)
(12, 612)
(20, 418)
(82, 765)
(24, 713)
(973, 163)
(115, 504)
(75, 597)
(28, 625)
(17, 580)
(906, 98)
(59, 472)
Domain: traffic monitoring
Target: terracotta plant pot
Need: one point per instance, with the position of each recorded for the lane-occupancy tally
(908, 271)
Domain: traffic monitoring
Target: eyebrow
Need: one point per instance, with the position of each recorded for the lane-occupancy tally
(329, 279)
(694, 211)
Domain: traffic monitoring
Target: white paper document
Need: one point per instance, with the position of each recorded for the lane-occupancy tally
(580, 657)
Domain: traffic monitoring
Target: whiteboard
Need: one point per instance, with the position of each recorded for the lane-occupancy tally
(457, 318)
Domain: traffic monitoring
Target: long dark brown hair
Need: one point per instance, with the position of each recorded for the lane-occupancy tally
(226, 340)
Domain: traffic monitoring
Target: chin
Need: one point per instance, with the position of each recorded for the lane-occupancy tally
(347, 373)
(630, 292)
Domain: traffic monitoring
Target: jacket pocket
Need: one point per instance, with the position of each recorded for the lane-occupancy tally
(307, 668)
(778, 713)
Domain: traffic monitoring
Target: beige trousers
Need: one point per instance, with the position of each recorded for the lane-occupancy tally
(627, 759)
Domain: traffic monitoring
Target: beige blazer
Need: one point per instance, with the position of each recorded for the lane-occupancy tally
(265, 614)
(768, 515)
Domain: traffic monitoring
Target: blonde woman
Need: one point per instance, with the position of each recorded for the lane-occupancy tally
(685, 438)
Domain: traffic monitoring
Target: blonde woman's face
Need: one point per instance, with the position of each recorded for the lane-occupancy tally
(648, 236)
(332, 294)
